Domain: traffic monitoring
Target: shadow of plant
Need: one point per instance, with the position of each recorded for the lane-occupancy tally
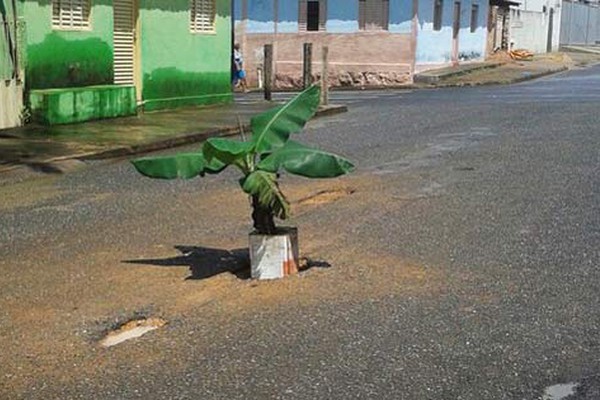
(205, 262)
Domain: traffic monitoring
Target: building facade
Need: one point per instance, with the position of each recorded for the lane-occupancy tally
(89, 59)
(451, 32)
(535, 25)
(371, 42)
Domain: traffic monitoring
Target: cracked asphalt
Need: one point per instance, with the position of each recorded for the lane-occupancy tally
(464, 263)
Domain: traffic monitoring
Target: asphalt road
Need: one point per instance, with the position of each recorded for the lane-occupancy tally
(464, 264)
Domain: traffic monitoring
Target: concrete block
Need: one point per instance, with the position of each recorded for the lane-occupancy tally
(274, 256)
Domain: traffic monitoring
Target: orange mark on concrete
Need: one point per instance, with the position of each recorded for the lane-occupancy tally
(290, 267)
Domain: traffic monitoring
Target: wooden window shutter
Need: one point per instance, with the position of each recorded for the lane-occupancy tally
(385, 14)
(362, 14)
(322, 14)
(302, 14)
(438, 8)
(373, 15)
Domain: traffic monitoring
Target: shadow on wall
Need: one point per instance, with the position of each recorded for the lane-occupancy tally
(172, 82)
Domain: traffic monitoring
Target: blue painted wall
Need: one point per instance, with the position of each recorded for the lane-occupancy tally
(400, 16)
(435, 47)
(260, 16)
(472, 45)
(342, 16)
(288, 16)
(237, 10)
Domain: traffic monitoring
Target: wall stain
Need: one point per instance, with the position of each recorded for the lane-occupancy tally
(60, 63)
(179, 88)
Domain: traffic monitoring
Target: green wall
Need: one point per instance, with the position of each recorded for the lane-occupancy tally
(60, 58)
(180, 67)
(177, 67)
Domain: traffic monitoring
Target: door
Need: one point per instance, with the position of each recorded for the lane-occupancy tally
(125, 44)
(455, 32)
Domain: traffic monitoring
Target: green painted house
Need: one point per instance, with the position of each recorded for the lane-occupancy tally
(91, 59)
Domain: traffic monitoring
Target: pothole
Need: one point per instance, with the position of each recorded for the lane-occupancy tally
(131, 330)
(326, 196)
(559, 392)
(308, 263)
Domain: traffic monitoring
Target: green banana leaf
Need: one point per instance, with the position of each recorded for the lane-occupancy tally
(228, 151)
(184, 166)
(264, 185)
(302, 160)
(271, 129)
(177, 166)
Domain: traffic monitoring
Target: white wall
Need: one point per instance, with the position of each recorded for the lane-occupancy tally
(529, 25)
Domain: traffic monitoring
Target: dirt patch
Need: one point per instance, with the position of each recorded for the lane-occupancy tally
(28, 193)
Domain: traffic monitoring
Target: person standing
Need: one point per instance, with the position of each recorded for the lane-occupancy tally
(239, 76)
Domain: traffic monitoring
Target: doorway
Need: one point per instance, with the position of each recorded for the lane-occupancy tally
(125, 40)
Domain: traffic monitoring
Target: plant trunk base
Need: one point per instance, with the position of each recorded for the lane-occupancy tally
(274, 256)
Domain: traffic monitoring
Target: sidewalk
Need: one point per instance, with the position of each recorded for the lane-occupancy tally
(500, 69)
(35, 145)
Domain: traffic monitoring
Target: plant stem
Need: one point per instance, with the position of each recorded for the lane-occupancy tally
(262, 217)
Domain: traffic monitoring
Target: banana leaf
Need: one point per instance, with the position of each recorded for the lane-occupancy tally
(184, 166)
(271, 129)
(228, 151)
(177, 166)
(264, 185)
(302, 160)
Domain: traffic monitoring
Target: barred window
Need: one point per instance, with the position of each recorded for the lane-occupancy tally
(202, 16)
(373, 15)
(312, 15)
(71, 14)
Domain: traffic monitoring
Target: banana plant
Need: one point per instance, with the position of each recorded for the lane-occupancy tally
(260, 159)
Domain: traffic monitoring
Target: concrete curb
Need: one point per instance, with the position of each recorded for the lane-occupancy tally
(431, 77)
(500, 82)
(125, 151)
(581, 49)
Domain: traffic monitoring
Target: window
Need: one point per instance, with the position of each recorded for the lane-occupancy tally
(373, 15)
(312, 15)
(71, 14)
(438, 6)
(474, 16)
(202, 16)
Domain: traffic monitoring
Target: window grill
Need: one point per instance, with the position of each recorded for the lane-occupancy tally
(71, 14)
(202, 16)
